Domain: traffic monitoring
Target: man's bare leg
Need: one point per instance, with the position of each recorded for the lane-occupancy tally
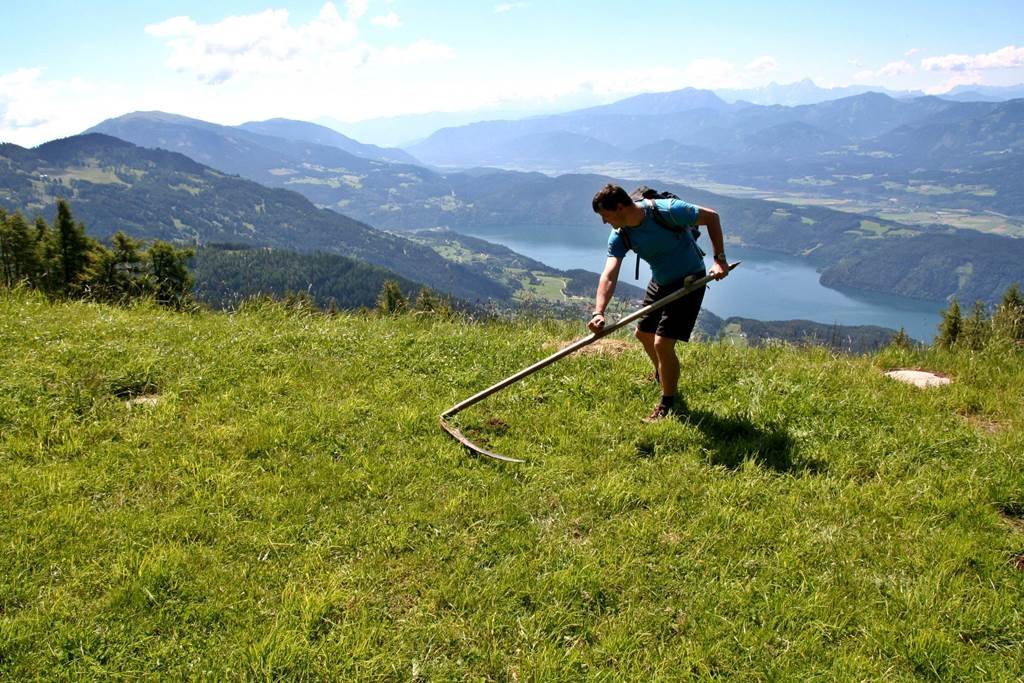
(647, 339)
(668, 364)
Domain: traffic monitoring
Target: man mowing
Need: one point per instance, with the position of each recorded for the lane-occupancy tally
(662, 230)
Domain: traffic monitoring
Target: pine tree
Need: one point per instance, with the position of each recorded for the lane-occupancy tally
(426, 302)
(118, 273)
(72, 247)
(48, 259)
(6, 258)
(977, 327)
(1008, 320)
(171, 281)
(18, 259)
(901, 340)
(391, 300)
(949, 328)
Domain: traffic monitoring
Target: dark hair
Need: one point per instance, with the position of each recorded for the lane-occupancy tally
(610, 197)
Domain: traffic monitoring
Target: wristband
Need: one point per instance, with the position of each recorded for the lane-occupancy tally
(595, 314)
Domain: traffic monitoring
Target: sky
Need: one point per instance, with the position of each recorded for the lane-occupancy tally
(67, 65)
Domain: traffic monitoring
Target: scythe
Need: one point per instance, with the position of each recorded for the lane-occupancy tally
(575, 346)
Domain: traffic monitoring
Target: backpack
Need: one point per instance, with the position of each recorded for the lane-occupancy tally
(646, 193)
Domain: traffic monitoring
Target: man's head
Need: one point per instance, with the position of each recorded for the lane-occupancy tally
(615, 206)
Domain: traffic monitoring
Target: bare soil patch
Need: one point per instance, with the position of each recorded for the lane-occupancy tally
(1013, 515)
(147, 401)
(984, 425)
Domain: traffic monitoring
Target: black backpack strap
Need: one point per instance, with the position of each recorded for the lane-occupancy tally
(660, 219)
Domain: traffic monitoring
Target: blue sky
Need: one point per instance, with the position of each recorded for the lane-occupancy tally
(68, 65)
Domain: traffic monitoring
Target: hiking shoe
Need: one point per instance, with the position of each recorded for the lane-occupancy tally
(662, 411)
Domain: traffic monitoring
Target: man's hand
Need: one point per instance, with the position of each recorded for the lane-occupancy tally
(719, 270)
(596, 323)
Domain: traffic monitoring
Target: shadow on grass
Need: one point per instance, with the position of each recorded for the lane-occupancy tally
(732, 440)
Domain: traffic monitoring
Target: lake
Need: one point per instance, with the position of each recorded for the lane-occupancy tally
(768, 286)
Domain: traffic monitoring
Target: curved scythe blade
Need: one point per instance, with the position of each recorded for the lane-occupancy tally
(472, 446)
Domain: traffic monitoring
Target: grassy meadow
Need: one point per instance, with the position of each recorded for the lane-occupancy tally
(267, 495)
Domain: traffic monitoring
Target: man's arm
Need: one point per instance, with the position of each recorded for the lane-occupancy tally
(605, 289)
(709, 218)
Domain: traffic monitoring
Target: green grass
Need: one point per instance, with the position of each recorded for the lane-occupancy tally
(93, 173)
(540, 286)
(290, 509)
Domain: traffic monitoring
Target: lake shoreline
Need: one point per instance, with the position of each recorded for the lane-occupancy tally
(769, 286)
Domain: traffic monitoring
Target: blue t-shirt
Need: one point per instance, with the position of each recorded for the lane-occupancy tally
(669, 255)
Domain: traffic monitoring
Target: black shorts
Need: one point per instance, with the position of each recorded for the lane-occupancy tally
(676, 320)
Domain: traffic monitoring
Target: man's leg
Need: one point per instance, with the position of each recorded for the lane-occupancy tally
(647, 339)
(668, 364)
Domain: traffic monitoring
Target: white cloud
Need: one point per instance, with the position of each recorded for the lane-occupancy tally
(509, 6)
(896, 69)
(254, 44)
(389, 20)
(34, 110)
(416, 53)
(268, 45)
(763, 65)
(357, 8)
(892, 70)
(911, 52)
(1009, 57)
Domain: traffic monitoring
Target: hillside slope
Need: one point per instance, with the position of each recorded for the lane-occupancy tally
(114, 185)
(268, 495)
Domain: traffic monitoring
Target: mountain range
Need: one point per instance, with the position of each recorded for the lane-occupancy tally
(871, 147)
(408, 197)
(900, 130)
(409, 129)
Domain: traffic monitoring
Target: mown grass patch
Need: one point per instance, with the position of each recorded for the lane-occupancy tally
(289, 507)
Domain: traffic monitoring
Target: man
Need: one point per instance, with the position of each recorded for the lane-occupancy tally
(673, 256)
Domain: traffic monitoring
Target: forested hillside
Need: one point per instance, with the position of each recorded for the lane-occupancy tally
(117, 186)
(227, 275)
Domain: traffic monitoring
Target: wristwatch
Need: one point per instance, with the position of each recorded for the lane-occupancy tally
(720, 256)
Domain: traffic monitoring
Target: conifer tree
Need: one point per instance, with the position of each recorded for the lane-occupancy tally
(47, 258)
(901, 340)
(1008, 320)
(425, 301)
(72, 247)
(171, 281)
(18, 261)
(6, 258)
(118, 273)
(976, 329)
(949, 328)
(391, 300)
